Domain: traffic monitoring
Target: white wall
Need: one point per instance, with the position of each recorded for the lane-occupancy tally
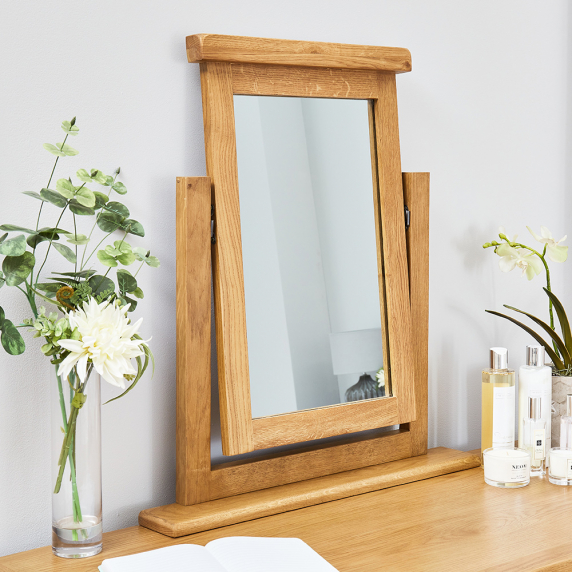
(485, 110)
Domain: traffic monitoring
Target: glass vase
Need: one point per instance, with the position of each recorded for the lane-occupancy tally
(76, 464)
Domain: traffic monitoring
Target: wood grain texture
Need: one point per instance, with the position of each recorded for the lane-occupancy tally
(193, 339)
(449, 523)
(396, 275)
(257, 79)
(324, 422)
(230, 315)
(379, 246)
(237, 477)
(416, 196)
(237, 49)
(175, 520)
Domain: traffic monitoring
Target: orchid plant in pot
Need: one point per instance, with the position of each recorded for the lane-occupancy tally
(558, 346)
(87, 331)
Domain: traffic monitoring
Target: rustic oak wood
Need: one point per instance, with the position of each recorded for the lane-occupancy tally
(252, 79)
(176, 520)
(237, 49)
(442, 524)
(237, 477)
(193, 339)
(240, 477)
(232, 348)
(416, 196)
(324, 422)
(240, 433)
(396, 276)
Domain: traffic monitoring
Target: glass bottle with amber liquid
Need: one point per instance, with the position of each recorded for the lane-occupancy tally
(498, 402)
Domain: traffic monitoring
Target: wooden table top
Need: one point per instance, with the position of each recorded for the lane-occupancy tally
(451, 523)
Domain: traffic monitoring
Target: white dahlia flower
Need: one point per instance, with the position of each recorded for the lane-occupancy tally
(105, 340)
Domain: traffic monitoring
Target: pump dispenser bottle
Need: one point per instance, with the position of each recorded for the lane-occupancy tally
(498, 402)
(566, 425)
(534, 436)
(535, 380)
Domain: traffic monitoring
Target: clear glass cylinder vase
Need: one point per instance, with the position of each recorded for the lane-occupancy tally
(76, 465)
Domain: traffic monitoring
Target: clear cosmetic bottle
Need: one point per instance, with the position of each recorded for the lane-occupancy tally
(535, 380)
(566, 425)
(498, 402)
(534, 436)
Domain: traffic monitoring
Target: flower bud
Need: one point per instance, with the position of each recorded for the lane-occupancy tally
(503, 236)
(487, 245)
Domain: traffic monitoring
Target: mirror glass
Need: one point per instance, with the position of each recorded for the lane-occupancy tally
(309, 252)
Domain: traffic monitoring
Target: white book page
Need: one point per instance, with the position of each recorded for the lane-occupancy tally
(180, 558)
(250, 554)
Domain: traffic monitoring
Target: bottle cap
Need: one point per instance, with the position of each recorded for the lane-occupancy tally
(534, 407)
(569, 405)
(499, 358)
(535, 355)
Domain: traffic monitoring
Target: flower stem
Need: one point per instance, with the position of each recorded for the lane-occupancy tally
(543, 259)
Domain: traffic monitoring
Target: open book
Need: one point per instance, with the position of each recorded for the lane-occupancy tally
(234, 554)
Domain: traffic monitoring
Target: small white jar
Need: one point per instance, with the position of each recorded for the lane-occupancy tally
(507, 468)
(560, 470)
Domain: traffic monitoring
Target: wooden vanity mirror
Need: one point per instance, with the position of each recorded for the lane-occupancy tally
(316, 282)
(303, 239)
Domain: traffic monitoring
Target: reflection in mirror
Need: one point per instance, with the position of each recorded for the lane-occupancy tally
(309, 252)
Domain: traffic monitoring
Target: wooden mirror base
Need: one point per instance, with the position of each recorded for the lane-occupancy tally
(176, 520)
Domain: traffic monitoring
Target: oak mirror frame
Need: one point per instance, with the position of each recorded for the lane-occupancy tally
(236, 65)
(220, 81)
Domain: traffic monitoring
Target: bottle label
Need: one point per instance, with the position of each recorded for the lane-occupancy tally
(539, 448)
(503, 416)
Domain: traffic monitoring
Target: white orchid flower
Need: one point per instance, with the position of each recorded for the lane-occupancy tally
(512, 258)
(502, 230)
(555, 252)
(105, 341)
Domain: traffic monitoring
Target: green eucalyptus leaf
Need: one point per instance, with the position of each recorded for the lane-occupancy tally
(85, 197)
(34, 239)
(106, 259)
(108, 181)
(79, 209)
(34, 195)
(55, 198)
(54, 150)
(65, 188)
(125, 281)
(138, 293)
(100, 199)
(2, 282)
(133, 227)
(67, 150)
(80, 274)
(51, 233)
(83, 175)
(12, 340)
(78, 239)
(13, 227)
(14, 247)
(98, 176)
(48, 287)
(17, 268)
(108, 222)
(132, 303)
(3, 238)
(127, 258)
(119, 188)
(65, 251)
(2, 316)
(117, 208)
(69, 128)
(100, 284)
